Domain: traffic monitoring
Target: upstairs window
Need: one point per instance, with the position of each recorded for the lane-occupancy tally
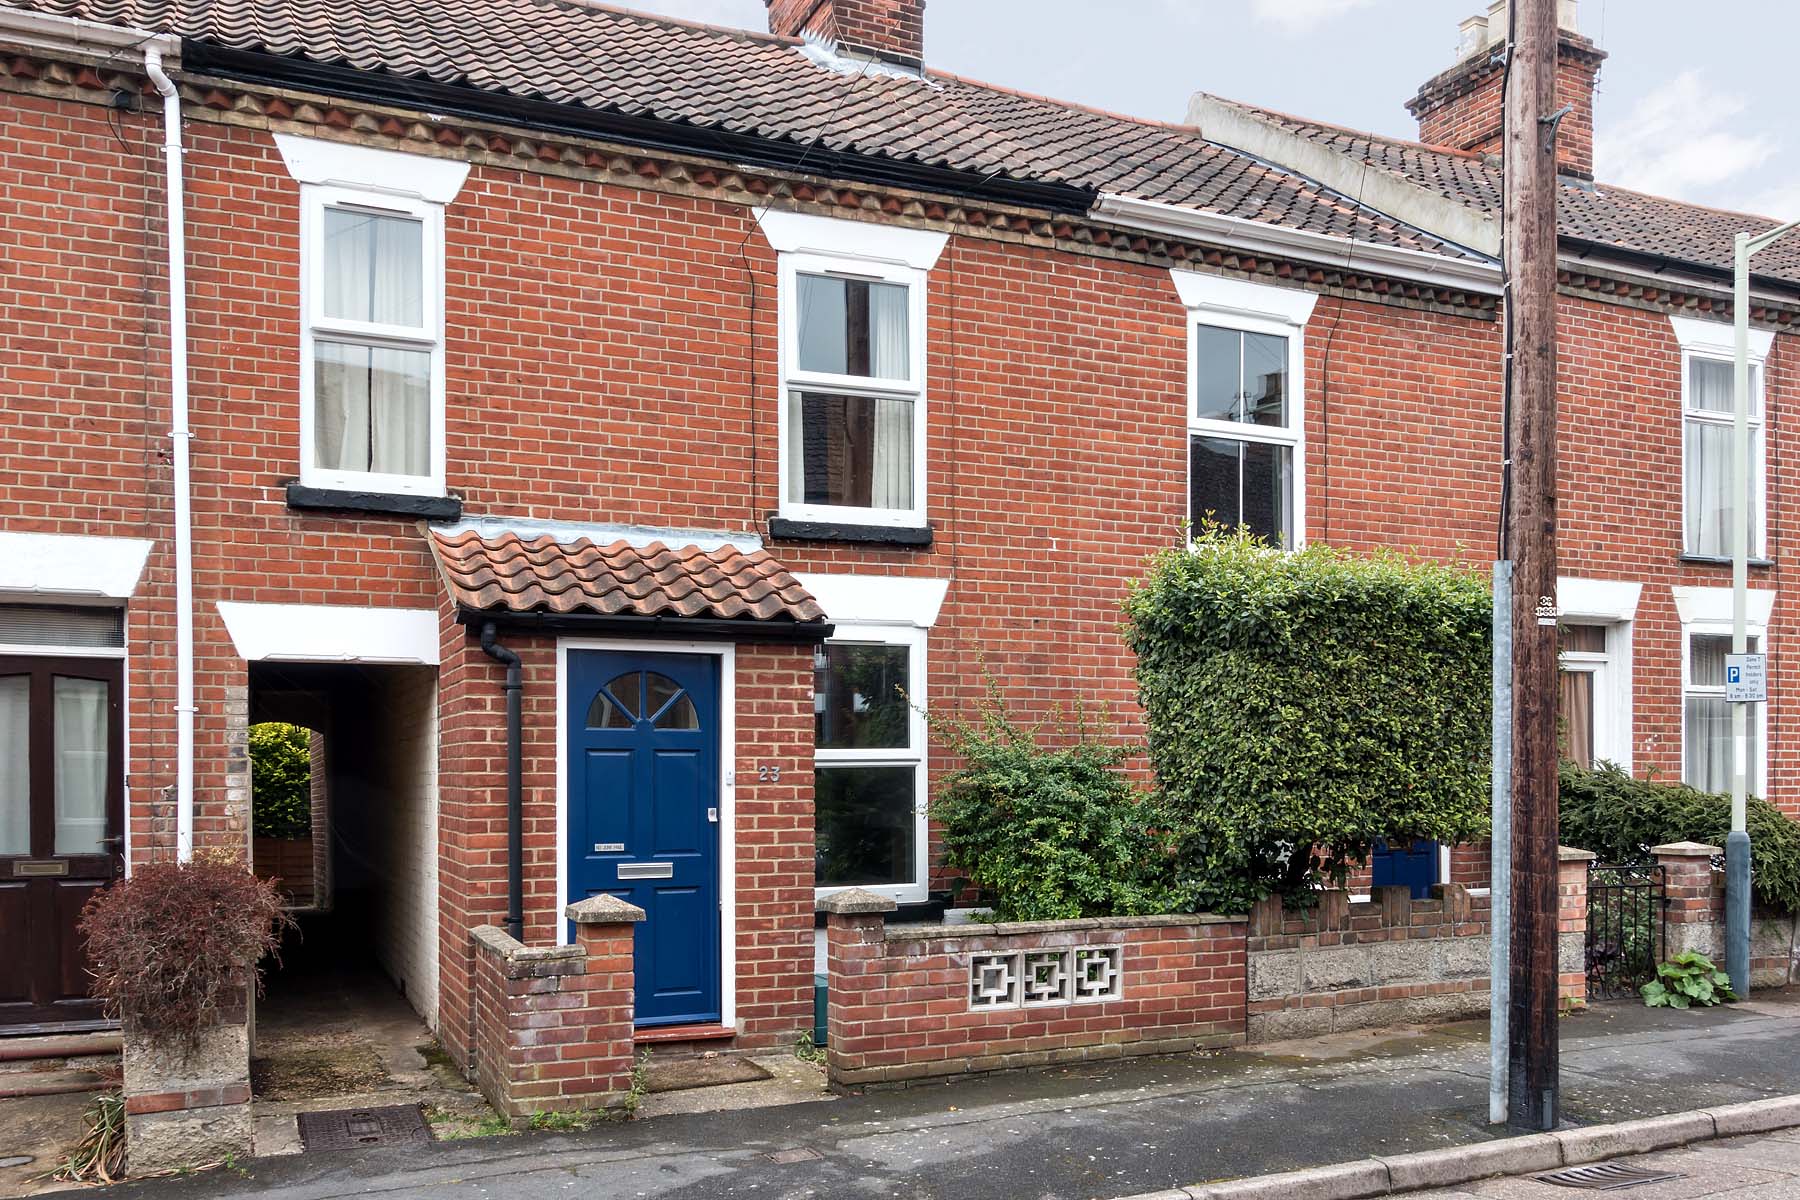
(853, 429)
(1243, 432)
(1708, 429)
(372, 361)
(1246, 444)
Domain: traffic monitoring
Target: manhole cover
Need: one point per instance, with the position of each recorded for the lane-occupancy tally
(799, 1154)
(352, 1128)
(1607, 1177)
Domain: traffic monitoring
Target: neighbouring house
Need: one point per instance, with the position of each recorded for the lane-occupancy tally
(587, 424)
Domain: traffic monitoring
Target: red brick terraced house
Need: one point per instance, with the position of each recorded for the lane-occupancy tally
(583, 422)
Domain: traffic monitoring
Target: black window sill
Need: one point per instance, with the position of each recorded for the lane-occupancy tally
(786, 530)
(386, 504)
(1723, 560)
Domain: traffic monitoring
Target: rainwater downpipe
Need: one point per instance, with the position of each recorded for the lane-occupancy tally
(515, 800)
(179, 438)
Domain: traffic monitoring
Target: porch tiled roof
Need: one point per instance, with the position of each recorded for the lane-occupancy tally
(512, 574)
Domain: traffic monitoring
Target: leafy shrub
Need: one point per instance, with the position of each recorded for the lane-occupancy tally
(280, 780)
(1620, 817)
(1687, 980)
(1303, 705)
(171, 942)
(1048, 831)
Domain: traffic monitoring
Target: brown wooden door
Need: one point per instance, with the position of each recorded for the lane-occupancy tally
(61, 813)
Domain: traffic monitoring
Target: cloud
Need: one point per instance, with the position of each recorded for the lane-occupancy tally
(1296, 17)
(1687, 140)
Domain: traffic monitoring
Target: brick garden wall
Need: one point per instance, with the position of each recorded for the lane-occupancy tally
(915, 1001)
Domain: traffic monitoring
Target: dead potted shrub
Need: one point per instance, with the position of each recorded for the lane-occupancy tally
(174, 948)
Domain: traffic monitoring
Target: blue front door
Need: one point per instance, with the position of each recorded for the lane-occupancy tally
(1415, 867)
(643, 817)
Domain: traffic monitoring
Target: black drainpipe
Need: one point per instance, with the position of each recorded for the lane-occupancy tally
(515, 804)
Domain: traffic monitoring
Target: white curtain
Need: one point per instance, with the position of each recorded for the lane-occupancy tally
(1708, 718)
(15, 764)
(1708, 488)
(81, 764)
(373, 404)
(889, 347)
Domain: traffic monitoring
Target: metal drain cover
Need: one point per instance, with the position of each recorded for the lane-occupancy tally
(354, 1128)
(1607, 1177)
(796, 1155)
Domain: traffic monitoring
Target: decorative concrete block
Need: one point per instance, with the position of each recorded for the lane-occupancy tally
(187, 1106)
(1461, 958)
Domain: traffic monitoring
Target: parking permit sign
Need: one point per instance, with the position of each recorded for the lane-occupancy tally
(1746, 678)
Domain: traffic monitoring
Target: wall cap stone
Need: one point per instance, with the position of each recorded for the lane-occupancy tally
(603, 910)
(855, 902)
(497, 941)
(977, 929)
(1571, 854)
(1686, 850)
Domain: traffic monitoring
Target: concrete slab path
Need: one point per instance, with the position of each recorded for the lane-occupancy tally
(1762, 1167)
(1099, 1131)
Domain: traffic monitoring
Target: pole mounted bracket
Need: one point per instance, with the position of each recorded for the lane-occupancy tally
(1552, 123)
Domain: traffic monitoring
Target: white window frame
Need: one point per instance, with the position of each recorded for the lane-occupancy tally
(1611, 687)
(315, 326)
(917, 754)
(1759, 447)
(912, 389)
(1246, 307)
(1759, 716)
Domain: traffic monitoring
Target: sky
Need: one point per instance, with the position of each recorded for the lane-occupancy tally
(1689, 103)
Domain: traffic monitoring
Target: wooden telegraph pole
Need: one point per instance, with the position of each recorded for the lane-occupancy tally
(1530, 254)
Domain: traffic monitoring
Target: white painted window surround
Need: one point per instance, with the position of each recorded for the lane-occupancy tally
(71, 566)
(403, 348)
(1706, 426)
(1261, 312)
(889, 261)
(332, 633)
(894, 611)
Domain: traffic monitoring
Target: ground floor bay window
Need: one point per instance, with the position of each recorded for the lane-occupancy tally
(869, 781)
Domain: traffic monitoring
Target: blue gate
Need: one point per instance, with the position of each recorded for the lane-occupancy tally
(1415, 867)
(643, 755)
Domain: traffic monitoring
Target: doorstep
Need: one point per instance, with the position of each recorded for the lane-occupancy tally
(655, 1034)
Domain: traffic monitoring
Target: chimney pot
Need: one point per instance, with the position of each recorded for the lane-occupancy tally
(1474, 36)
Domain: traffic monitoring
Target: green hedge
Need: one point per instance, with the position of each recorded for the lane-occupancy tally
(1044, 821)
(1302, 705)
(1620, 817)
(280, 780)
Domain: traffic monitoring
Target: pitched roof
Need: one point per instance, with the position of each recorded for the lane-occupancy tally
(510, 574)
(1601, 213)
(600, 58)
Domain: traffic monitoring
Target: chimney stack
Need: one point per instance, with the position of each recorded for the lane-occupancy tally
(1461, 107)
(890, 30)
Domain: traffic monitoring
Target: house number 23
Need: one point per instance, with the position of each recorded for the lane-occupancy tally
(768, 773)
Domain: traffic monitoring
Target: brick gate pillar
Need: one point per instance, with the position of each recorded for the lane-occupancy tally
(1571, 925)
(1692, 915)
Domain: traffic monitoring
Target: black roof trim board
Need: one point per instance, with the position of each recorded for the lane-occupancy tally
(648, 133)
(803, 633)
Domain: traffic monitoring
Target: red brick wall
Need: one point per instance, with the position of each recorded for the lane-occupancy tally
(611, 357)
(553, 1026)
(899, 998)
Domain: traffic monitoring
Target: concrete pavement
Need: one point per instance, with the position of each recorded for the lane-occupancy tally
(1104, 1130)
(1762, 1167)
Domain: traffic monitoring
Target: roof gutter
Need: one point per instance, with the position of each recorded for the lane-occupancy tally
(1328, 250)
(46, 32)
